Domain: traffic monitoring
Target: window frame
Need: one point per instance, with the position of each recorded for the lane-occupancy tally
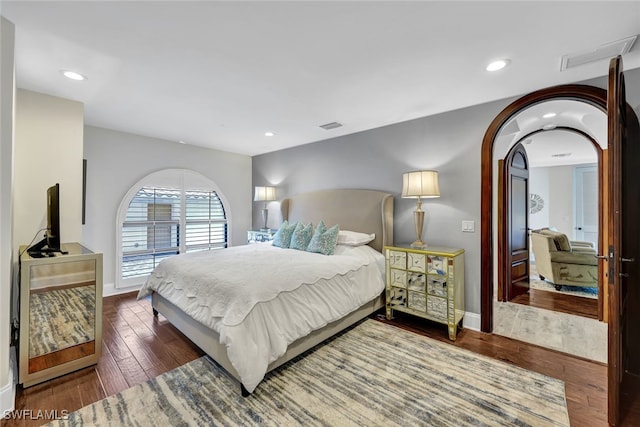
(183, 180)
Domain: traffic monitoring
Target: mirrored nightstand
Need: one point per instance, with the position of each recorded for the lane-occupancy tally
(260, 235)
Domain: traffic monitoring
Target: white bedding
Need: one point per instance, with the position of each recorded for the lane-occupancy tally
(272, 296)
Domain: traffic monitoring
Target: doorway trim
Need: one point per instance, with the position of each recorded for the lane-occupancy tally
(502, 226)
(582, 93)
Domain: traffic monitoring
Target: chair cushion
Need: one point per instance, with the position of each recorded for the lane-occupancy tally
(582, 258)
(580, 244)
(560, 239)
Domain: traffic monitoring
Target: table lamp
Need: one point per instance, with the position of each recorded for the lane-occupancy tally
(264, 194)
(419, 185)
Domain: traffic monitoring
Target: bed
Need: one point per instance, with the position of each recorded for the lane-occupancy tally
(237, 344)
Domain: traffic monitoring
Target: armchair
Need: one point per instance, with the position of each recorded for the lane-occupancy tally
(563, 262)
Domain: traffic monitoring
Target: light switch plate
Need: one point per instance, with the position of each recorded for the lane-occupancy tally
(468, 226)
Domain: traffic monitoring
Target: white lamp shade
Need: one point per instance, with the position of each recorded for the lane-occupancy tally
(264, 194)
(420, 184)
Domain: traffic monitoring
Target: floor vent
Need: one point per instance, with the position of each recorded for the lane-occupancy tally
(331, 125)
(605, 51)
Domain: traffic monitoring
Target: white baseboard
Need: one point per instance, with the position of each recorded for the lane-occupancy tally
(8, 392)
(109, 289)
(471, 321)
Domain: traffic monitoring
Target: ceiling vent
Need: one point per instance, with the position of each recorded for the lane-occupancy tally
(331, 125)
(605, 51)
(561, 155)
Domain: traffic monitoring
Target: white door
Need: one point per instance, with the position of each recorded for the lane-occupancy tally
(586, 202)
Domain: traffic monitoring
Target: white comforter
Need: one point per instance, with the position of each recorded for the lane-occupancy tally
(261, 298)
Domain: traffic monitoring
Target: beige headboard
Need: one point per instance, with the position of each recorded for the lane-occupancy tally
(365, 211)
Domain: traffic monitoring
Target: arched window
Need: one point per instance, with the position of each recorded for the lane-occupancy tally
(166, 213)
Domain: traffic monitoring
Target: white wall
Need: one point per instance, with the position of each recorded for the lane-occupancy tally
(117, 160)
(561, 213)
(48, 150)
(7, 95)
(539, 184)
(555, 184)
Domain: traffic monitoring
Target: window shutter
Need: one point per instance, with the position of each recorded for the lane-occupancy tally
(151, 230)
(168, 212)
(206, 222)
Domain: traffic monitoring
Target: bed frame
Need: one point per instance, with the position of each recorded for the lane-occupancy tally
(366, 211)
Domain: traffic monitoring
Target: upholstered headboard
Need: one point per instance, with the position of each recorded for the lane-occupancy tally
(365, 211)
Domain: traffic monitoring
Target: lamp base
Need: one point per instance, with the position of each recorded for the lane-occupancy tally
(418, 244)
(265, 217)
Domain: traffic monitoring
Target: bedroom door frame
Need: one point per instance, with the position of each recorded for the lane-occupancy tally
(623, 126)
(582, 93)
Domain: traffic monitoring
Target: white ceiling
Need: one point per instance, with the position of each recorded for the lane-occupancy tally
(555, 146)
(221, 74)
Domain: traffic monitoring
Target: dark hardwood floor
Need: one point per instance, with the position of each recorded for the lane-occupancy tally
(138, 346)
(563, 303)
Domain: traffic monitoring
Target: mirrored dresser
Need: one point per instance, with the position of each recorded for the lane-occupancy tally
(426, 282)
(60, 313)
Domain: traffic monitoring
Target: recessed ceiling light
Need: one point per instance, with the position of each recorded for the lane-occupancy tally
(550, 126)
(498, 65)
(269, 134)
(181, 142)
(561, 155)
(548, 115)
(73, 75)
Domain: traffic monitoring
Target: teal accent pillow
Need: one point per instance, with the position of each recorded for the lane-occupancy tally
(282, 238)
(301, 236)
(324, 240)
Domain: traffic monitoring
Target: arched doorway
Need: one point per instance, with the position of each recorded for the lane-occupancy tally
(588, 94)
(622, 207)
(584, 149)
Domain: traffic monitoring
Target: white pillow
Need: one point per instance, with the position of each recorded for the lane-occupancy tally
(353, 238)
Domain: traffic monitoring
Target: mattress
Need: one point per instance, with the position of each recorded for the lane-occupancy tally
(260, 298)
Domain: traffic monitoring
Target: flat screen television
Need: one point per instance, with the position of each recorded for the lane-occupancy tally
(51, 242)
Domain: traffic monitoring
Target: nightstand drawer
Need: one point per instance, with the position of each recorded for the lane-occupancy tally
(397, 297)
(437, 265)
(416, 281)
(437, 307)
(437, 286)
(418, 301)
(398, 278)
(398, 260)
(416, 262)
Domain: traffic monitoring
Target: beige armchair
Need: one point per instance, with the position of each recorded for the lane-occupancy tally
(563, 262)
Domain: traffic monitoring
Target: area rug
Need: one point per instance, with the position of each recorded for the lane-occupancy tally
(536, 283)
(62, 318)
(372, 375)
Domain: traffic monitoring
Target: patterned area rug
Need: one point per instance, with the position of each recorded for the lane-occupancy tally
(64, 318)
(372, 375)
(536, 283)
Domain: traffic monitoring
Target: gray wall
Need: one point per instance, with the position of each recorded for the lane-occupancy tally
(117, 160)
(375, 159)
